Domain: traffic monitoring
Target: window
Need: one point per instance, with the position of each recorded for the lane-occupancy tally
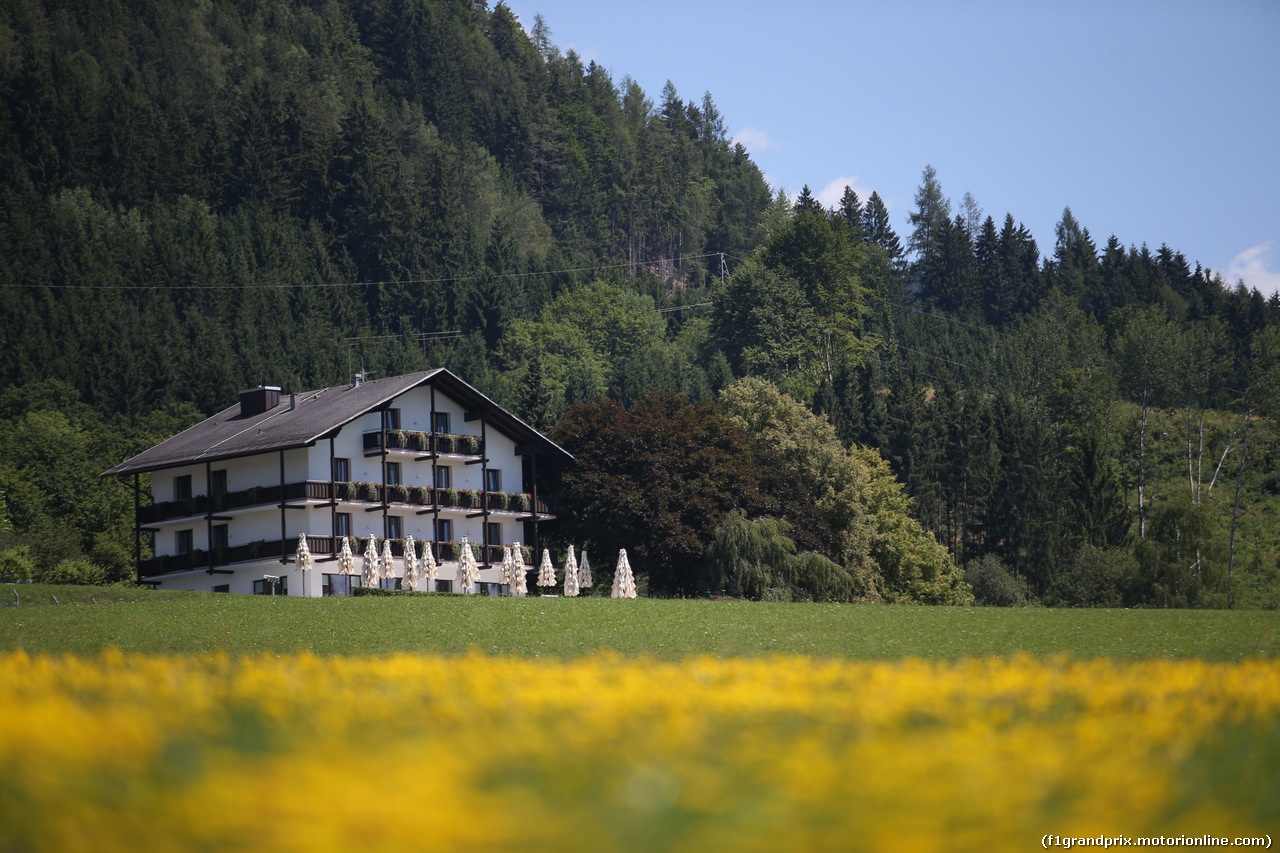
(185, 541)
(444, 530)
(444, 586)
(391, 420)
(440, 422)
(395, 528)
(341, 470)
(393, 473)
(493, 533)
(221, 538)
(390, 583)
(222, 587)
(182, 487)
(338, 585)
(342, 524)
(444, 479)
(218, 482)
(493, 480)
(264, 586)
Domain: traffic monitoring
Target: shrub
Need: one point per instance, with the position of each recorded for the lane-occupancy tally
(16, 563)
(78, 570)
(1101, 577)
(993, 584)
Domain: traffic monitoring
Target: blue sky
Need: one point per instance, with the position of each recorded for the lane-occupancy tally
(1158, 122)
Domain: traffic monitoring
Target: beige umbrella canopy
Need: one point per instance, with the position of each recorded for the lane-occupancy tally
(429, 566)
(624, 583)
(468, 571)
(304, 554)
(346, 560)
(584, 571)
(519, 586)
(570, 575)
(410, 562)
(506, 571)
(303, 559)
(546, 571)
(388, 561)
(371, 564)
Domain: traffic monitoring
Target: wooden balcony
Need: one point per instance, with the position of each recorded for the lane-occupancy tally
(321, 547)
(420, 497)
(423, 444)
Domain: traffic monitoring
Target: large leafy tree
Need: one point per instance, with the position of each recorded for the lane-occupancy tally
(795, 312)
(873, 536)
(659, 478)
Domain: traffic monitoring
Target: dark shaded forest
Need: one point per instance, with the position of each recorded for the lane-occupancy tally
(199, 198)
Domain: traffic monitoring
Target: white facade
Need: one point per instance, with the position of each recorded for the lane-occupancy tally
(460, 476)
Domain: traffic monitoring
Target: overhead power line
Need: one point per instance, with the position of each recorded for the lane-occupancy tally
(387, 282)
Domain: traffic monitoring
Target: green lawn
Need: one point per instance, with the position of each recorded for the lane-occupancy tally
(164, 622)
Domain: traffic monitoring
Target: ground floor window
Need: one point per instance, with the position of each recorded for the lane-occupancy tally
(263, 586)
(390, 583)
(222, 587)
(338, 585)
(444, 586)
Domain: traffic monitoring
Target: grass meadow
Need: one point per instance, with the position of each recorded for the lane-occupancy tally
(137, 620)
(137, 721)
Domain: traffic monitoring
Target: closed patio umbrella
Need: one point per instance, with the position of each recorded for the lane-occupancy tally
(506, 571)
(584, 571)
(303, 559)
(429, 566)
(410, 562)
(346, 564)
(624, 583)
(468, 572)
(546, 571)
(346, 560)
(388, 561)
(570, 575)
(519, 585)
(370, 574)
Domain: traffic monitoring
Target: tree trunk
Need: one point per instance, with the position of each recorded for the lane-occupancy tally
(1235, 510)
(1142, 470)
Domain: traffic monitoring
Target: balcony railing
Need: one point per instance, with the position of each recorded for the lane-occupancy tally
(320, 546)
(225, 501)
(472, 500)
(423, 442)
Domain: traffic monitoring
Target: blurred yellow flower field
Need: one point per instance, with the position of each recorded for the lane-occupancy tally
(413, 752)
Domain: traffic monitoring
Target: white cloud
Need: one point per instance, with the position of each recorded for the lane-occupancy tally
(831, 194)
(754, 139)
(1254, 266)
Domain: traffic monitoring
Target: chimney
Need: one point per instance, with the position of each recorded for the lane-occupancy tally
(255, 401)
(356, 379)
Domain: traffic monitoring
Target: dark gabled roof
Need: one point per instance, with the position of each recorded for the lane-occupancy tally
(317, 415)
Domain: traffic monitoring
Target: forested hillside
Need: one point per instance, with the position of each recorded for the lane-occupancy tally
(198, 198)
